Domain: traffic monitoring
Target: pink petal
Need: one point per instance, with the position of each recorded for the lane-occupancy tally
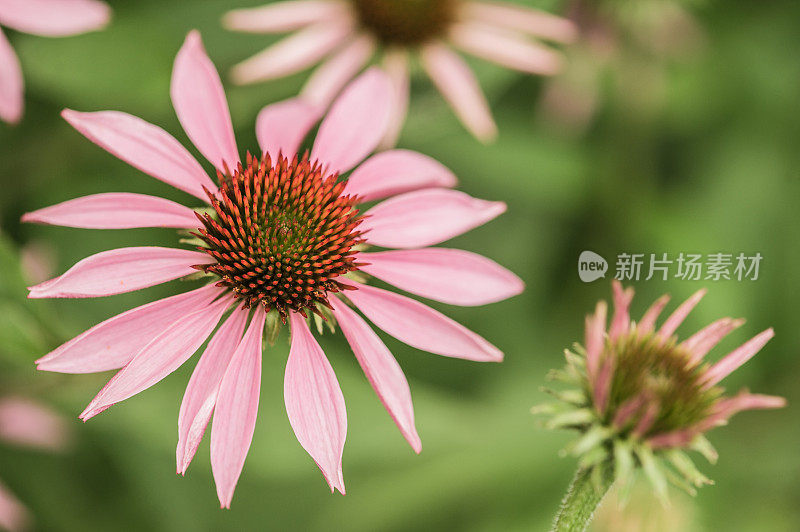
(737, 357)
(329, 78)
(119, 271)
(395, 63)
(680, 313)
(506, 49)
(595, 339)
(622, 302)
(648, 321)
(201, 392)
(426, 217)
(704, 340)
(314, 403)
(54, 18)
(282, 17)
(448, 275)
(14, 516)
(29, 424)
(382, 370)
(281, 127)
(601, 385)
(396, 171)
(236, 411)
(11, 83)
(199, 101)
(745, 401)
(163, 355)
(113, 343)
(115, 211)
(458, 85)
(356, 122)
(294, 53)
(145, 147)
(420, 326)
(520, 18)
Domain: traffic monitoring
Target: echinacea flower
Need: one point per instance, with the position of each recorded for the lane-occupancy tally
(642, 398)
(48, 18)
(26, 423)
(281, 238)
(345, 34)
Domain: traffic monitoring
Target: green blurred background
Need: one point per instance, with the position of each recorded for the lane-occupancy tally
(691, 148)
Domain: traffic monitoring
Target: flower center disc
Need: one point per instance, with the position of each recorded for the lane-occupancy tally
(405, 22)
(663, 373)
(281, 233)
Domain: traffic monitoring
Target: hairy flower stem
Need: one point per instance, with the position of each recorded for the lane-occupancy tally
(583, 497)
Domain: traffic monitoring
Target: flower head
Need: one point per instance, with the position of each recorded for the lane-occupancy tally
(643, 397)
(351, 32)
(282, 238)
(48, 18)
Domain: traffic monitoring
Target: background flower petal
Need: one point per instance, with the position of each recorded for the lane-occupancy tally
(12, 85)
(54, 18)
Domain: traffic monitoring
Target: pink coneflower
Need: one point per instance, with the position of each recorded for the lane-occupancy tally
(26, 423)
(643, 397)
(350, 32)
(48, 18)
(280, 239)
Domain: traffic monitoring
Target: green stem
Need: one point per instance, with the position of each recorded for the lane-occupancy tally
(583, 497)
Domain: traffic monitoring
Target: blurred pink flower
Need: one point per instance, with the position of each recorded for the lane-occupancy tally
(350, 32)
(641, 397)
(27, 424)
(48, 18)
(280, 239)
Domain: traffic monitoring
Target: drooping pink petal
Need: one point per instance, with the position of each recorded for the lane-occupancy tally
(199, 101)
(627, 410)
(460, 88)
(397, 171)
(648, 321)
(113, 343)
(116, 210)
(118, 271)
(680, 313)
(160, 357)
(595, 338)
(201, 392)
(236, 411)
(426, 218)
(14, 516)
(145, 147)
(726, 408)
(329, 78)
(54, 18)
(648, 418)
(282, 17)
(621, 321)
(314, 403)
(676, 438)
(382, 370)
(448, 275)
(12, 85)
(737, 357)
(294, 53)
(704, 340)
(527, 20)
(282, 126)
(420, 326)
(356, 122)
(28, 424)
(507, 49)
(601, 385)
(395, 64)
